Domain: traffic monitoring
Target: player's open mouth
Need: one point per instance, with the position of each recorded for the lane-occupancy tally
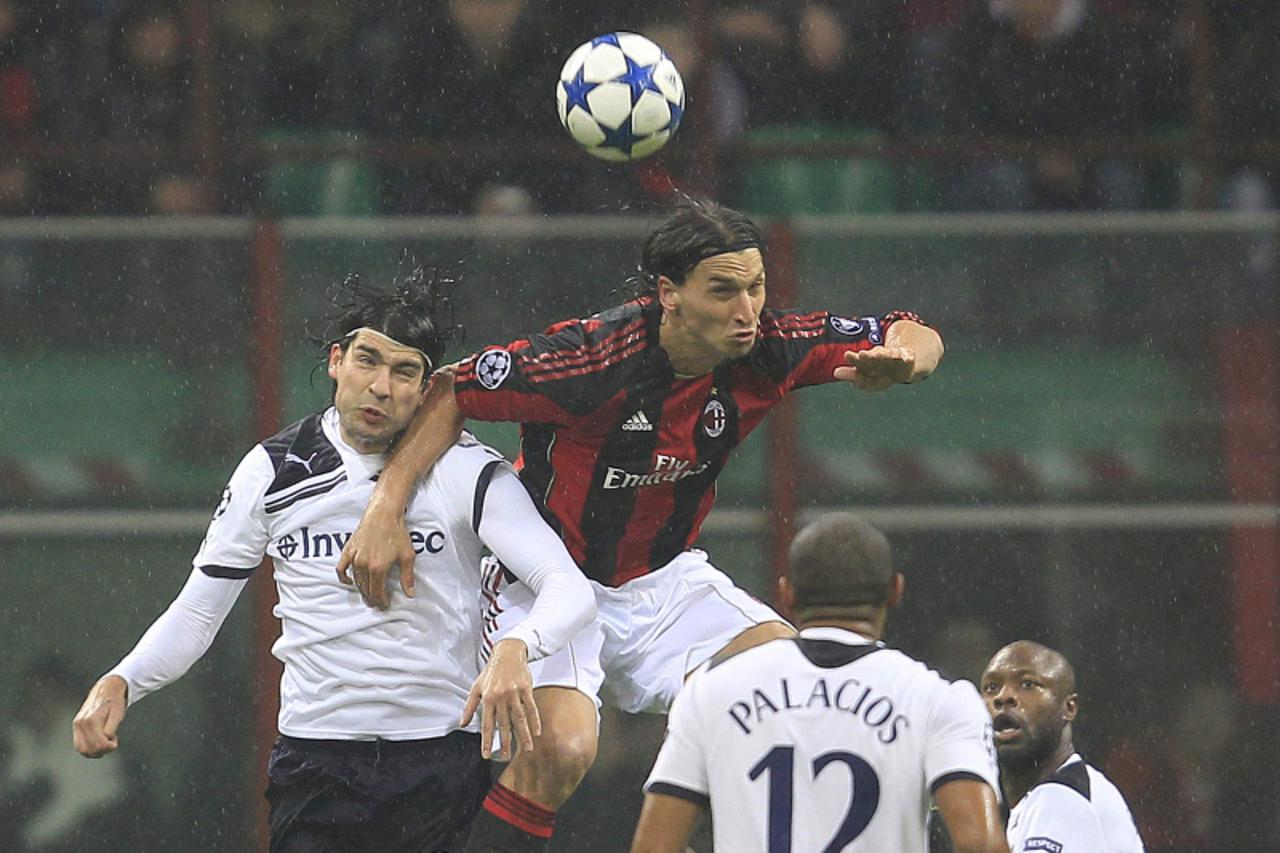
(1006, 727)
(371, 415)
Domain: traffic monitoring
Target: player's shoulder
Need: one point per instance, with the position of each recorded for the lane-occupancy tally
(920, 671)
(937, 676)
(301, 450)
(816, 652)
(625, 313)
(247, 484)
(1065, 798)
(791, 323)
(467, 459)
(1074, 776)
(1114, 817)
(304, 462)
(606, 330)
(944, 696)
(723, 664)
(1107, 799)
(1099, 781)
(578, 363)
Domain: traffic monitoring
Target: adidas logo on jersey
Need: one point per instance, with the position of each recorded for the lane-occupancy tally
(637, 423)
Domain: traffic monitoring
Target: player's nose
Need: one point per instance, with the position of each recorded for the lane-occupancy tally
(381, 384)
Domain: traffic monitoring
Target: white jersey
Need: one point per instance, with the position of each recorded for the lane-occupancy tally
(1076, 810)
(352, 671)
(825, 742)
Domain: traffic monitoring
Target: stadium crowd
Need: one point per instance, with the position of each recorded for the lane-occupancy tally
(157, 106)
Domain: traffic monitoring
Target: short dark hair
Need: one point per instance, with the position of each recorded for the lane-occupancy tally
(840, 562)
(415, 311)
(696, 230)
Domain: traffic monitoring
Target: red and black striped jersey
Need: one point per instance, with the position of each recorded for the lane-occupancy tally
(622, 455)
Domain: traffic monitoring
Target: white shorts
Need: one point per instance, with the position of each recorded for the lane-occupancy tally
(648, 635)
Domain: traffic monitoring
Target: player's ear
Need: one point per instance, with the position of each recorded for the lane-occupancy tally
(1071, 707)
(335, 358)
(668, 294)
(897, 587)
(786, 596)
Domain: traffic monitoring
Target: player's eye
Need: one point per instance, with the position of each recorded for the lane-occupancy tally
(1028, 684)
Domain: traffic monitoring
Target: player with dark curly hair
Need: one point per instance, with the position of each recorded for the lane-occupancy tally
(378, 746)
(627, 418)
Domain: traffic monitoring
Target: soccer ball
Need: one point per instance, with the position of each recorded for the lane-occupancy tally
(620, 96)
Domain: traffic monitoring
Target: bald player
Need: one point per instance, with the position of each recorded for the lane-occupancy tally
(1059, 803)
(830, 740)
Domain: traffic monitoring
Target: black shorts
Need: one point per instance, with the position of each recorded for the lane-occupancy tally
(331, 796)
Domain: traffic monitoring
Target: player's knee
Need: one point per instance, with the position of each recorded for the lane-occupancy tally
(566, 755)
(552, 771)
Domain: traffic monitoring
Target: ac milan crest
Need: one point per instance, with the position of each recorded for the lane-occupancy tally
(714, 418)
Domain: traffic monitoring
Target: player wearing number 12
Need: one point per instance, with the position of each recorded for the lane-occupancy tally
(828, 741)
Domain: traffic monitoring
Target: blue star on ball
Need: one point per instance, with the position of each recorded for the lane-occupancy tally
(620, 139)
(639, 78)
(576, 91)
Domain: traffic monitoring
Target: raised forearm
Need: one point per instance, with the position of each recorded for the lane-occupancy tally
(432, 431)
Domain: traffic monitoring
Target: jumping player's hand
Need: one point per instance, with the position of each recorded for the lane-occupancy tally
(878, 368)
(94, 728)
(505, 690)
(379, 542)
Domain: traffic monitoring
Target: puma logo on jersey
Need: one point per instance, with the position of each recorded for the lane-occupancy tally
(637, 423)
(305, 463)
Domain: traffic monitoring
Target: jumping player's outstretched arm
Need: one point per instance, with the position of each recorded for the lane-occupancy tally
(234, 544)
(166, 651)
(910, 353)
(381, 540)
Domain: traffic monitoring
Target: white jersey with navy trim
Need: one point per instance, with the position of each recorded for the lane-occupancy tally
(825, 742)
(352, 671)
(1076, 810)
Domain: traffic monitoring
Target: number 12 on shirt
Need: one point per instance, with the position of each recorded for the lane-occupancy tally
(779, 764)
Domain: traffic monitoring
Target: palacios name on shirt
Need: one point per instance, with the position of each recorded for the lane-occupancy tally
(666, 469)
(850, 696)
(309, 544)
